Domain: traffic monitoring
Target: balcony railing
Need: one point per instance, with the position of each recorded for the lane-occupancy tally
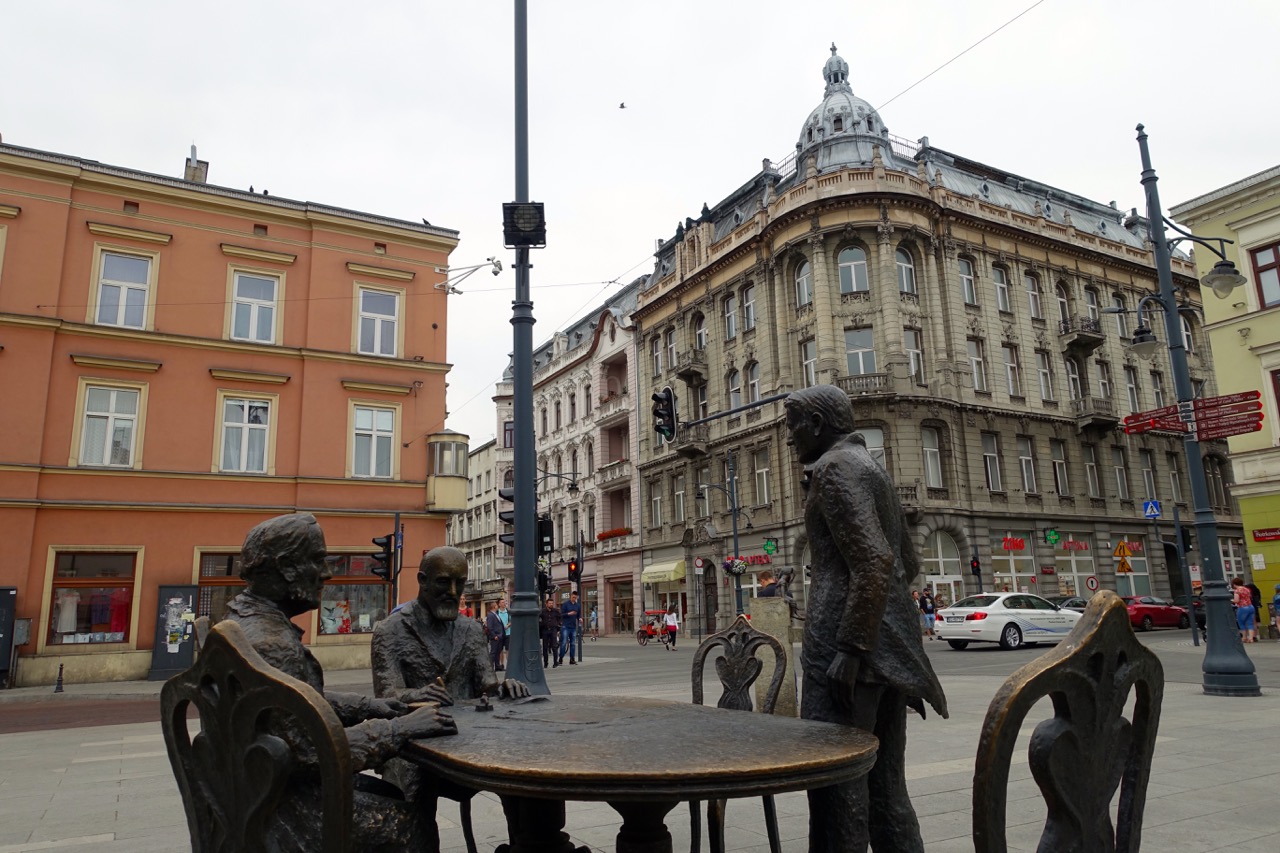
(692, 441)
(607, 475)
(1093, 407)
(866, 383)
(691, 365)
(1083, 334)
(618, 543)
(611, 407)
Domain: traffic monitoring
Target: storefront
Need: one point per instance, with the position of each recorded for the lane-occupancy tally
(1132, 568)
(1074, 564)
(1013, 562)
(664, 585)
(941, 565)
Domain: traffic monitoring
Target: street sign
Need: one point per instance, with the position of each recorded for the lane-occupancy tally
(1123, 567)
(1227, 432)
(1228, 420)
(1230, 409)
(1162, 412)
(1227, 399)
(1151, 509)
(1169, 424)
(1122, 550)
(1092, 583)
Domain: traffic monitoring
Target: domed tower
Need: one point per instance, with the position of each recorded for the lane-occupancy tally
(843, 129)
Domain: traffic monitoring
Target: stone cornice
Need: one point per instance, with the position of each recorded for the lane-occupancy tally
(257, 254)
(9, 211)
(227, 374)
(104, 229)
(375, 387)
(380, 272)
(116, 363)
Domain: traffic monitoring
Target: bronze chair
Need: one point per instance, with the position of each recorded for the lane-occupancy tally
(1087, 749)
(233, 774)
(738, 670)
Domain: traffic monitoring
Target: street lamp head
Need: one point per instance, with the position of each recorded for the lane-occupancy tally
(1223, 278)
(1144, 342)
(573, 487)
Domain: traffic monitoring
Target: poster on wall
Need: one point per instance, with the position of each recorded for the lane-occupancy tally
(175, 641)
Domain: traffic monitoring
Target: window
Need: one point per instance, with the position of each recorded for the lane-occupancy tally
(702, 400)
(1213, 480)
(219, 583)
(655, 355)
(1121, 473)
(1001, 279)
(700, 332)
(1104, 380)
(748, 310)
(874, 438)
(671, 347)
(1091, 302)
(1044, 371)
(591, 458)
(123, 285)
(246, 434)
(734, 383)
(655, 503)
(573, 464)
(379, 310)
(804, 285)
(1157, 388)
(677, 498)
(978, 364)
(1058, 453)
(1027, 464)
(449, 459)
(544, 421)
(92, 597)
(700, 505)
(991, 461)
(372, 442)
(1012, 373)
(852, 263)
(1266, 272)
(1091, 471)
(967, 284)
(913, 342)
(586, 399)
(1188, 341)
(761, 460)
(730, 318)
(1032, 285)
(1075, 387)
(573, 406)
(753, 382)
(809, 362)
(906, 272)
(1064, 304)
(110, 425)
(556, 408)
(253, 308)
(1148, 461)
(1122, 320)
(1131, 387)
(509, 434)
(860, 353)
(1175, 477)
(354, 599)
(931, 441)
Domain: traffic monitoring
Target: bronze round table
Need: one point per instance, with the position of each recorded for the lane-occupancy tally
(642, 756)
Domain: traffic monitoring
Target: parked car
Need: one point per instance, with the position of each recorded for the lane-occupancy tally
(1071, 602)
(1147, 612)
(1197, 607)
(1008, 618)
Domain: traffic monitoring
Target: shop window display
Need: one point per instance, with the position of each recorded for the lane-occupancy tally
(1013, 563)
(355, 599)
(219, 583)
(92, 599)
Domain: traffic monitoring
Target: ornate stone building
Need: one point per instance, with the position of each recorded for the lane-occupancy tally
(963, 310)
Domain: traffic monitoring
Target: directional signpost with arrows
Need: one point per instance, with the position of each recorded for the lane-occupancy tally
(1209, 418)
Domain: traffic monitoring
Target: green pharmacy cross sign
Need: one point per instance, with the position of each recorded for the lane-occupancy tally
(1052, 537)
(771, 546)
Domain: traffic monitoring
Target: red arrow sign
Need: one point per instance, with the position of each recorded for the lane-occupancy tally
(1227, 399)
(1229, 409)
(1228, 420)
(1152, 413)
(1170, 424)
(1227, 432)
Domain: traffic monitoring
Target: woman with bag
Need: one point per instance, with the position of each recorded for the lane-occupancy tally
(672, 624)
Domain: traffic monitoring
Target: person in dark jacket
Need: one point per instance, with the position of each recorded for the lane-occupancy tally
(497, 634)
(549, 630)
(768, 585)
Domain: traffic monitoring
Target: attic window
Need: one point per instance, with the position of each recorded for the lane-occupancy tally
(811, 134)
(1048, 210)
(130, 207)
(837, 124)
(986, 190)
(259, 230)
(379, 248)
(1102, 225)
(737, 217)
(871, 124)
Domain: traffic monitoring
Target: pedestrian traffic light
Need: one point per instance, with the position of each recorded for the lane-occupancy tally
(575, 571)
(508, 516)
(544, 583)
(384, 561)
(546, 535)
(664, 413)
(975, 567)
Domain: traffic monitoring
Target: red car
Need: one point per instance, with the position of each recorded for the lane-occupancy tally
(1147, 612)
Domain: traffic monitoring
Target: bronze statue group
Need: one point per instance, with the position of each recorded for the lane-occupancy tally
(863, 661)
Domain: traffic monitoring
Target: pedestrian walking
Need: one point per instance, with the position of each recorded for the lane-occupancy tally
(570, 615)
(928, 608)
(671, 624)
(1275, 610)
(595, 624)
(505, 616)
(1246, 613)
(549, 630)
(494, 631)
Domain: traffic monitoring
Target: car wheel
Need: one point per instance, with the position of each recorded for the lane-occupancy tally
(642, 638)
(1183, 621)
(1147, 623)
(958, 645)
(1010, 637)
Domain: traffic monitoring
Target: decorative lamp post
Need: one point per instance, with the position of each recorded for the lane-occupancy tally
(1227, 668)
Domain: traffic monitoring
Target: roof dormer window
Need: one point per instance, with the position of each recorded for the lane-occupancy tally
(837, 124)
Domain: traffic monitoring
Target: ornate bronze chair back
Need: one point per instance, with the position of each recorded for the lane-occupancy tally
(738, 670)
(1080, 755)
(233, 774)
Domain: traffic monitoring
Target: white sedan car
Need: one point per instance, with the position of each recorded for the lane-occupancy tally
(1008, 618)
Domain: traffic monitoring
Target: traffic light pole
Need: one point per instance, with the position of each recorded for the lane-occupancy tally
(582, 622)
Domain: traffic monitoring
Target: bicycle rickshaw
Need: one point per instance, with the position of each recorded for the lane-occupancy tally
(653, 628)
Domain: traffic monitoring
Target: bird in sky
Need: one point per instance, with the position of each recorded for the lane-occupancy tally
(622, 106)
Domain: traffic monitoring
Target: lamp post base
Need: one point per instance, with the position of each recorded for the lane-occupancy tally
(1220, 684)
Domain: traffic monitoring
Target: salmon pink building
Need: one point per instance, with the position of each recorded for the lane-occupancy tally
(180, 361)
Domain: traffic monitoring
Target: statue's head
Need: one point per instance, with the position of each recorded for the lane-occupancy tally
(816, 418)
(283, 560)
(442, 575)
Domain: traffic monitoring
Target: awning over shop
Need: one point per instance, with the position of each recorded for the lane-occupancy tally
(663, 572)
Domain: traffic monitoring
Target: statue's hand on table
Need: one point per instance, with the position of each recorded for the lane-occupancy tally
(385, 709)
(431, 693)
(425, 722)
(842, 676)
(512, 689)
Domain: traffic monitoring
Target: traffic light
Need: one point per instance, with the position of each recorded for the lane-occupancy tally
(575, 571)
(508, 516)
(664, 413)
(384, 561)
(546, 535)
(544, 583)
(975, 567)
(1187, 543)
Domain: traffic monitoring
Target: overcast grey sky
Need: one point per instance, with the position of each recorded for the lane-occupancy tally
(406, 109)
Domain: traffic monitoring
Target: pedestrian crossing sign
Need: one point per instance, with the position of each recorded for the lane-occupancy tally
(1151, 509)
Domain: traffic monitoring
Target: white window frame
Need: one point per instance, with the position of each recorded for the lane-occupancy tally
(753, 381)
(380, 322)
(655, 353)
(253, 306)
(1147, 460)
(913, 343)
(748, 307)
(804, 284)
(931, 442)
(1175, 477)
(1091, 303)
(677, 498)
(1061, 469)
(1012, 370)
(700, 333)
(853, 273)
(978, 364)
(99, 282)
(1027, 463)
(1064, 302)
(1188, 340)
(655, 503)
(809, 362)
(730, 317)
(1044, 370)
(1157, 389)
(874, 439)
(968, 281)
(374, 433)
(761, 460)
(702, 400)
(1131, 388)
(701, 502)
(1092, 483)
(991, 461)
(1104, 379)
(1032, 284)
(906, 271)
(100, 457)
(671, 347)
(860, 355)
(1119, 467)
(1075, 382)
(1001, 280)
(733, 383)
(1122, 322)
(268, 430)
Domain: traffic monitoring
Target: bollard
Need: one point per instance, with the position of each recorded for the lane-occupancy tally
(57, 687)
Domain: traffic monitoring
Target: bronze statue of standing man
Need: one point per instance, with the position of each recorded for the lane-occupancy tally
(863, 660)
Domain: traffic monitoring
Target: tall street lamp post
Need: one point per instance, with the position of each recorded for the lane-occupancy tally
(1227, 669)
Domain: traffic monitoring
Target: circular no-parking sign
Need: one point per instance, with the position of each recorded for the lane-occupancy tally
(1092, 583)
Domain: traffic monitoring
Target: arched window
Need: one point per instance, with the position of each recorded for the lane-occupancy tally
(1091, 302)
(968, 283)
(753, 382)
(1188, 341)
(906, 272)
(853, 270)
(699, 332)
(1075, 388)
(940, 555)
(1001, 279)
(1032, 285)
(1064, 304)
(586, 398)
(544, 420)
(730, 318)
(748, 307)
(557, 407)
(734, 384)
(804, 284)
(573, 407)
(591, 459)
(1122, 320)
(573, 464)
(932, 443)
(509, 478)
(874, 437)
(559, 464)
